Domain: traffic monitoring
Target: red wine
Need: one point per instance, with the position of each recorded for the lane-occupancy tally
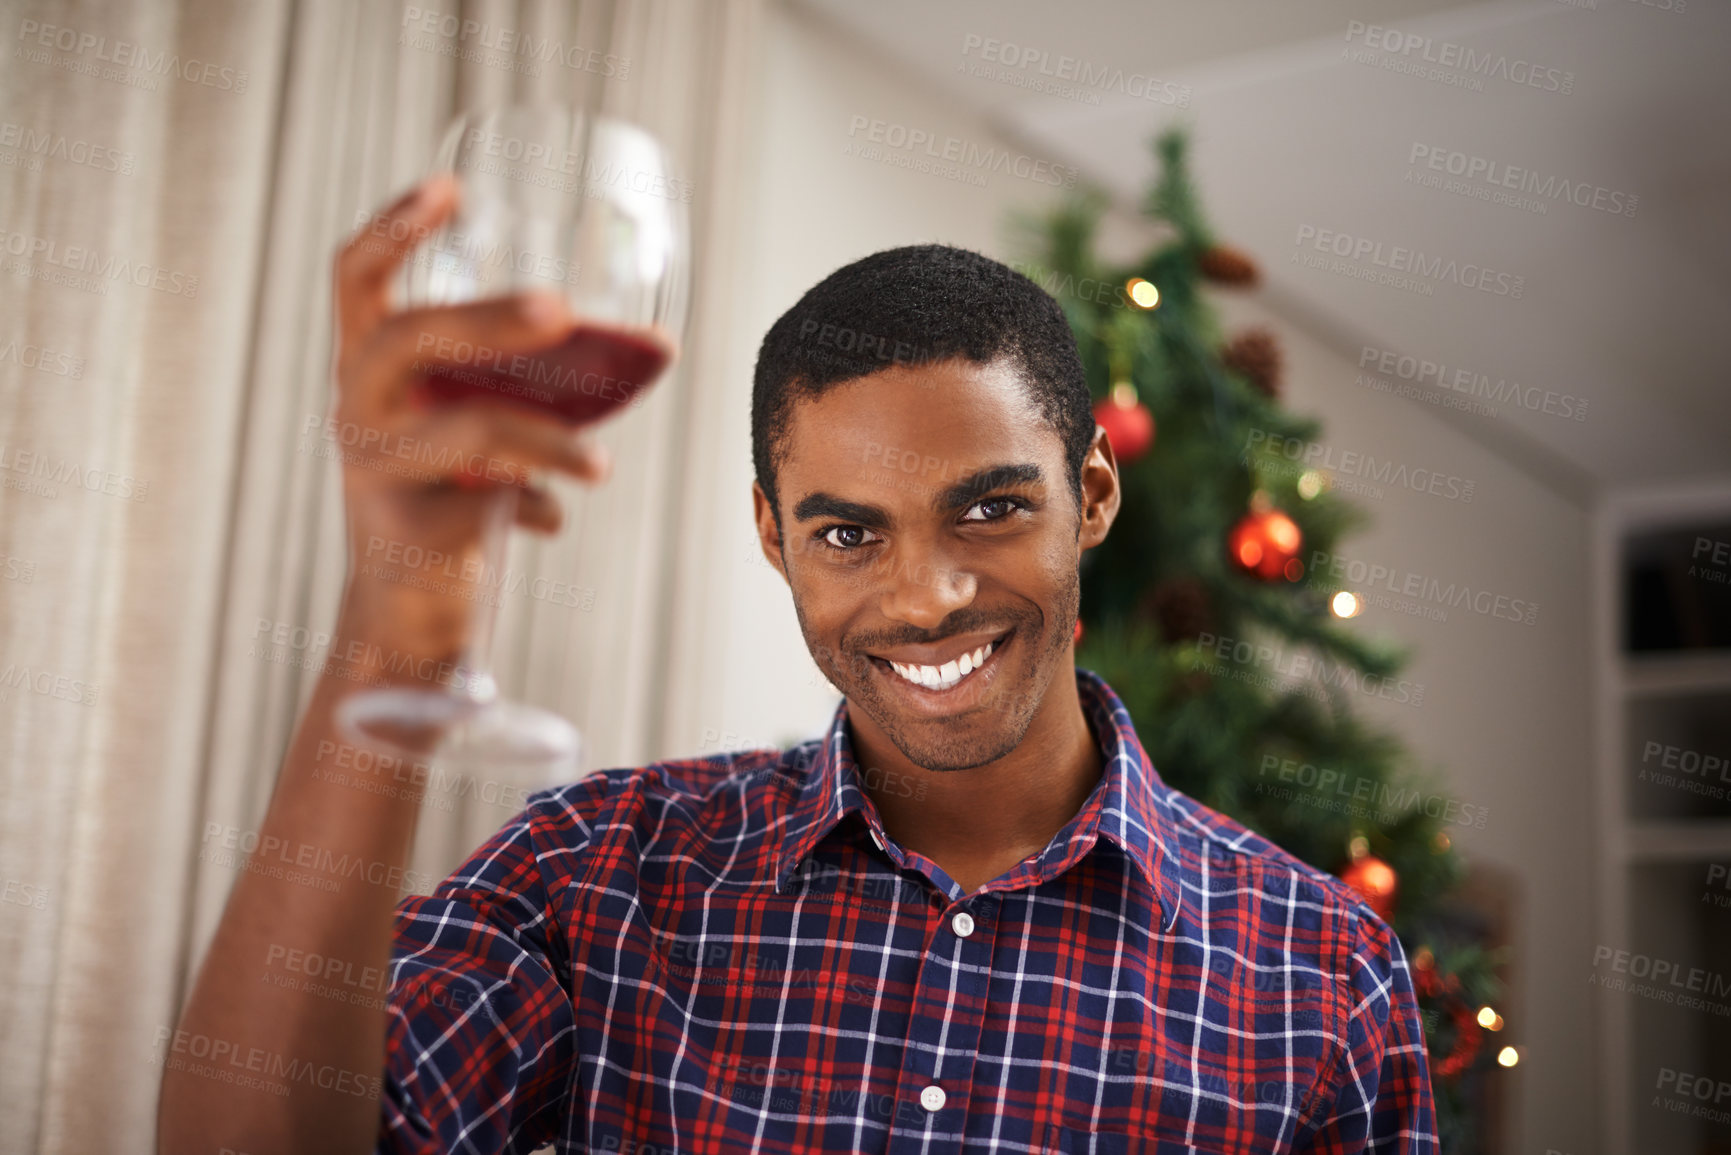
(585, 377)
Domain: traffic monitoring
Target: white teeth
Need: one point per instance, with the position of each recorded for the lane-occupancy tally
(947, 675)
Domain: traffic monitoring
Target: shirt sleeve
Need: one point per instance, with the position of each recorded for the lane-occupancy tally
(1384, 1101)
(480, 1039)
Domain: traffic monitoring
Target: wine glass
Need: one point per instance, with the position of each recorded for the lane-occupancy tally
(550, 196)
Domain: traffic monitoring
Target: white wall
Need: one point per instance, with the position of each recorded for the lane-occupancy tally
(816, 209)
(1503, 720)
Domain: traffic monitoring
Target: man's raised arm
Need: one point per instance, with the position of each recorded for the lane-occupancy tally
(244, 1037)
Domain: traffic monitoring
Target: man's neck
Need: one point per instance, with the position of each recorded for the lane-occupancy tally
(980, 822)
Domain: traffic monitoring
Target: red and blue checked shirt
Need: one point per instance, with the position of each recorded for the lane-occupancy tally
(729, 954)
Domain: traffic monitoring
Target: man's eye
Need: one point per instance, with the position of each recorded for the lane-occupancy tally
(994, 508)
(847, 536)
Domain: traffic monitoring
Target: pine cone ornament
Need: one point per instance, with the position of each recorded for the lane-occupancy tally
(1226, 265)
(1255, 355)
(1182, 608)
(1192, 684)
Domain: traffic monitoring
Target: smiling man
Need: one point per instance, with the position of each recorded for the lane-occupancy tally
(968, 917)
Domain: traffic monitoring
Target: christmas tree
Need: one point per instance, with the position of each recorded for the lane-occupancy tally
(1241, 669)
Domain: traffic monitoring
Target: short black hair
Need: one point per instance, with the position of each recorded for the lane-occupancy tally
(918, 305)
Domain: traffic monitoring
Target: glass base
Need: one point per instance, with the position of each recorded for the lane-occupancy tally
(490, 740)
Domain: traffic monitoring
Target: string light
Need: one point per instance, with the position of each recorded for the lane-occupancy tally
(1345, 605)
(1508, 1056)
(1142, 293)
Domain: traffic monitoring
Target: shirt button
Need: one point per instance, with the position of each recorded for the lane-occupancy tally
(962, 924)
(932, 1098)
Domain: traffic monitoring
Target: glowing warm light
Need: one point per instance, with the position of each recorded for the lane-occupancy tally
(1345, 604)
(1143, 293)
(1508, 1056)
(1283, 532)
(1442, 841)
(1310, 484)
(1489, 1019)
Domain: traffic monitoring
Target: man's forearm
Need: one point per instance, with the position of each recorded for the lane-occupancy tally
(249, 1030)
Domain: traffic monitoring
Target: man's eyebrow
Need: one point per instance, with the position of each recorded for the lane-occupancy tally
(982, 481)
(957, 496)
(820, 504)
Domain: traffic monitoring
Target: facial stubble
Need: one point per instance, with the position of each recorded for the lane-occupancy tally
(1005, 712)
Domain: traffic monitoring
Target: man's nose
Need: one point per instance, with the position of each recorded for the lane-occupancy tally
(925, 586)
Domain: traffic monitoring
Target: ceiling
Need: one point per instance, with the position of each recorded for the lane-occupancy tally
(1303, 131)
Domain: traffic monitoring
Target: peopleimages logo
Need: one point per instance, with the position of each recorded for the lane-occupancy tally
(1058, 284)
(49, 253)
(47, 683)
(966, 154)
(59, 146)
(1453, 62)
(1298, 454)
(1369, 795)
(1371, 577)
(54, 471)
(464, 37)
(1482, 178)
(41, 359)
(89, 47)
(1069, 77)
(603, 174)
(1410, 269)
(1477, 385)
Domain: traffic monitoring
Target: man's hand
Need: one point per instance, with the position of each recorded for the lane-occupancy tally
(419, 479)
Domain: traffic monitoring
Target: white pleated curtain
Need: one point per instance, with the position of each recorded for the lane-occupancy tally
(166, 518)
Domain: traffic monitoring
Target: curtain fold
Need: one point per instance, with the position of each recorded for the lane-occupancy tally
(174, 180)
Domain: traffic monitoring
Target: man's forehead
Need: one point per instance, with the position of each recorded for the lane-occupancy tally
(956, 414)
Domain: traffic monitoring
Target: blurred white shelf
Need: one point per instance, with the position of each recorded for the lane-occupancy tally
(1638, 698)
(1692, 840)
(1663, 675)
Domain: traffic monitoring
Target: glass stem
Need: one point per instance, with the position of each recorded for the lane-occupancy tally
(475, 670)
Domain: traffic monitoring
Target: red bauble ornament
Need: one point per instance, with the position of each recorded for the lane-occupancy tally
(1128, 424)
(1266, 542)
(1376, 880)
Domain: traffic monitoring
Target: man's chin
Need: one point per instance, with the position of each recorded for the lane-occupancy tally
(944, 753)
(984, 733)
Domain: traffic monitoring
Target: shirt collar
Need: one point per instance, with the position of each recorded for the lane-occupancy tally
(1130, 807)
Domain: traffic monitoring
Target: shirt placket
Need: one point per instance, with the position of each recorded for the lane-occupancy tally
(935, 1086)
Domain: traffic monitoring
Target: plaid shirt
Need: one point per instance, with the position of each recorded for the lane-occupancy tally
(729, 954)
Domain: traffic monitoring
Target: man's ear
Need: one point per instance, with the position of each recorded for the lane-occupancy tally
(768, 533)
(1100, 492)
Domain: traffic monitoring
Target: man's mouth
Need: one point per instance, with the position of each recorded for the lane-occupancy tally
(948, 674)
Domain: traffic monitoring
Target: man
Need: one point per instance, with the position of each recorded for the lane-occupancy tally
(970, 916)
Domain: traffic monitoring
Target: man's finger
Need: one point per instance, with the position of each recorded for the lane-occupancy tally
(481, 337)
(499, 443)
(539, 510)
(366, 263)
